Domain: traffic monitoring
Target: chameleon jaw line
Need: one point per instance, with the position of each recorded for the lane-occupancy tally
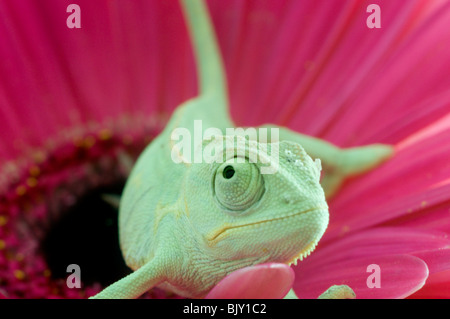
(224, 229)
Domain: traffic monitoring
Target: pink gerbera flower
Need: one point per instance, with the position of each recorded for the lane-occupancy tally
(76, 104)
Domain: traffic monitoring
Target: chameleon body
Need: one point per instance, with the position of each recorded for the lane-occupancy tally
(185, 226)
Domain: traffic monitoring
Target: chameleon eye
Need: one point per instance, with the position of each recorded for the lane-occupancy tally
(238, 186)
(228, 172)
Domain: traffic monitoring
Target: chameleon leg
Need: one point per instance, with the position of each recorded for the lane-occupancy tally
(291, 295)
(338, 164)
(133, 285)
(338, 292)
(334, 292)
(354, 161)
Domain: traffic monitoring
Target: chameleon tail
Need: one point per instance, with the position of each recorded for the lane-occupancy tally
(212, 77)
(133, 285)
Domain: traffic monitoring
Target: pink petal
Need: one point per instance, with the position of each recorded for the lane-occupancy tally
(125, 60)
(351, 251)
(380, 241)
(437, 287)
(408, 74)
(437, 260)
(415, 181)
(400, 276)
(265, 281)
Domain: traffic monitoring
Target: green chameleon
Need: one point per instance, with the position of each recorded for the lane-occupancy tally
(185, 226)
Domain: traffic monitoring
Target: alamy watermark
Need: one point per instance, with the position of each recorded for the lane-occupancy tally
(212, 146)
(374, 280)
(74, 279)
(74, 19)
(373, 21)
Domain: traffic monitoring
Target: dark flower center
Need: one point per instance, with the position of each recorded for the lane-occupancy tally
(53, 214)
(87, 235)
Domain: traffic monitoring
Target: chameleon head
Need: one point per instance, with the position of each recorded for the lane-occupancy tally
(243, 216)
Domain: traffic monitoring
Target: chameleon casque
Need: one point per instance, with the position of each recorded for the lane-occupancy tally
(185, 226)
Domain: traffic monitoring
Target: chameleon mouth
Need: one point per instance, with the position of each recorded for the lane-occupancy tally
(220, 233)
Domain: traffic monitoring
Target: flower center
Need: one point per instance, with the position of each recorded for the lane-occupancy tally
(87, 235)
(52, 212)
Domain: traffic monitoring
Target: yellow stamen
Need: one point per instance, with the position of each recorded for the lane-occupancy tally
(34, 170)
(19, 274)
(3, 220)
(105, 134)
(21, 190)
(89, 142)
(31, 181)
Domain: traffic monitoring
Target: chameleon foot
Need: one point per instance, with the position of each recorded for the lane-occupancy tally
(338, 292)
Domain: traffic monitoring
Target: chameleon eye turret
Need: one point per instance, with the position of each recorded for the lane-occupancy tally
(238, 186)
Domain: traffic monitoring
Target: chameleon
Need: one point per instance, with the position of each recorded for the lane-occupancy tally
(184, 226)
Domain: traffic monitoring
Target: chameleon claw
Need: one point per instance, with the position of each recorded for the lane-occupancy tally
(126, 162)
(112, 199)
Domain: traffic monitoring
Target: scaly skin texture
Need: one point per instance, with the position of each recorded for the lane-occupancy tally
(184, 227)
